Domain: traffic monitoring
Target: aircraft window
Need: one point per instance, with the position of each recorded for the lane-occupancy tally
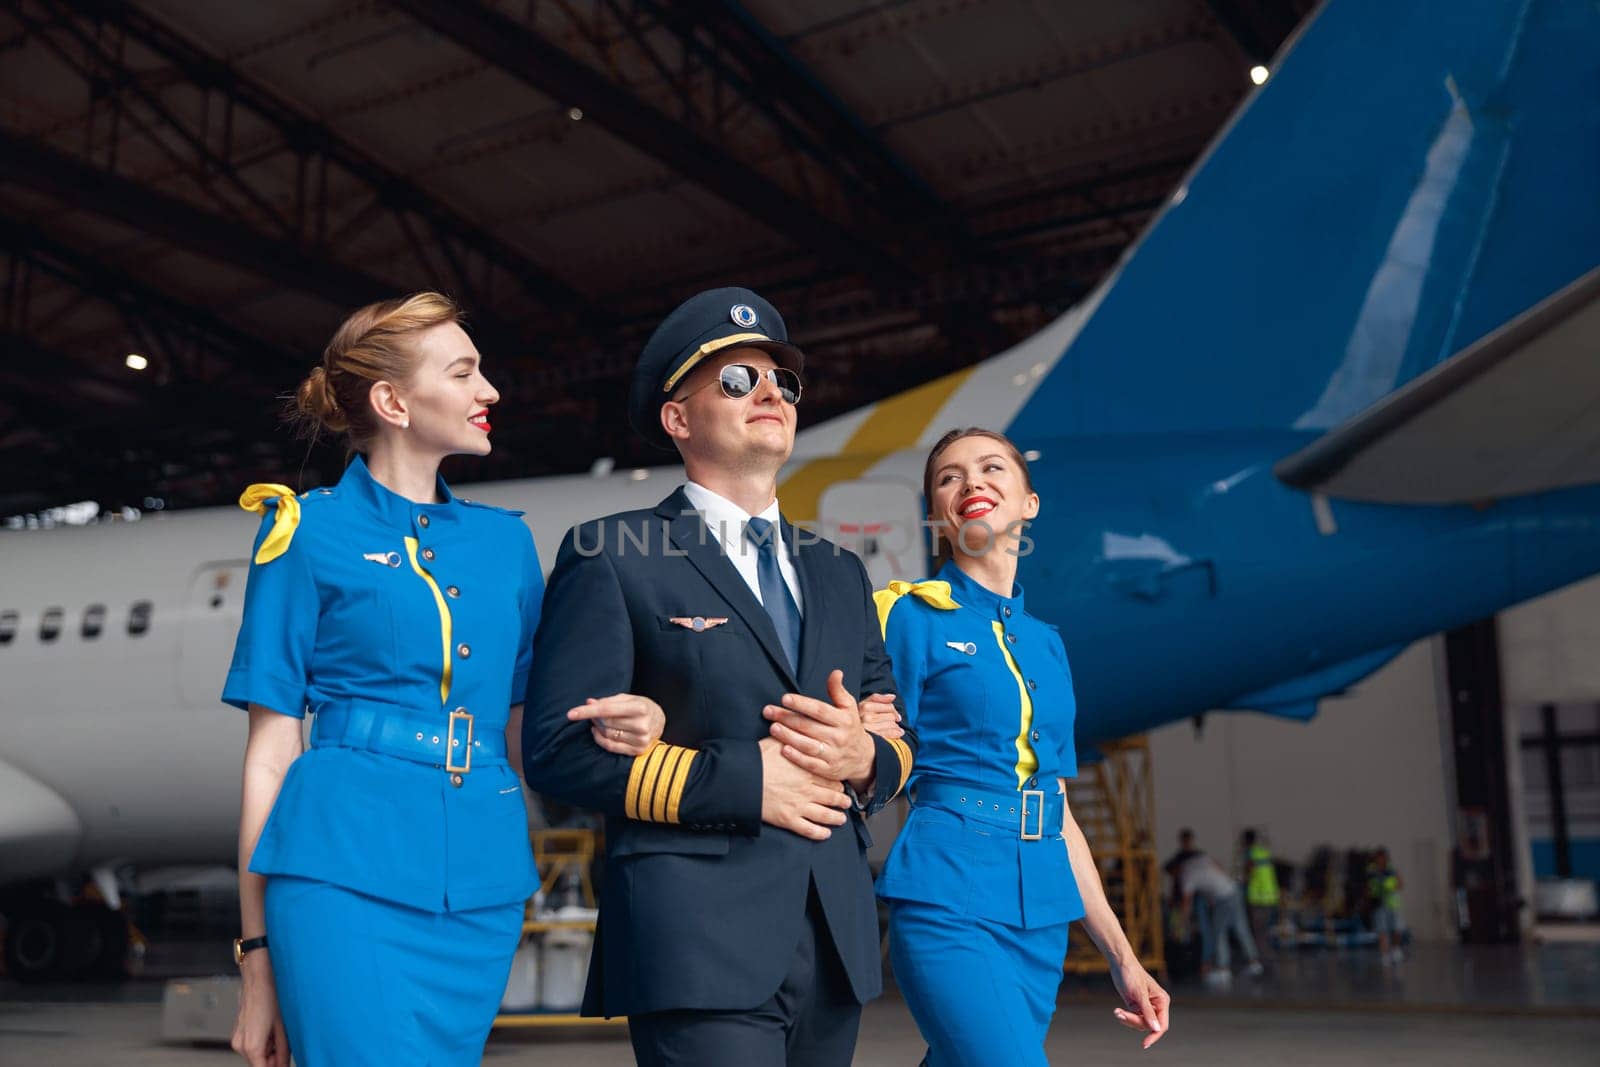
(8, 626)
(94, 620)
(50, 624)
(139, 617)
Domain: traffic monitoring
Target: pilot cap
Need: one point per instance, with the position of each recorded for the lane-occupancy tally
(702, 326)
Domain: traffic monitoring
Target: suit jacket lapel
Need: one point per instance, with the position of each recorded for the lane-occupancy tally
(814, 611)
(690, 534)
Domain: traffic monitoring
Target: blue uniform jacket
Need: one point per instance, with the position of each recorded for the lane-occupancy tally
(380, 609)
(988, 690)
(703, 905)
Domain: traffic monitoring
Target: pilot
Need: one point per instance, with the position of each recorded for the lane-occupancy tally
(990, 867)
(383, 872)
(737, 925)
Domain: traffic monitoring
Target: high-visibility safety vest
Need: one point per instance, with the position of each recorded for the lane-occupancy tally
(1384, 887)
(1261, 890)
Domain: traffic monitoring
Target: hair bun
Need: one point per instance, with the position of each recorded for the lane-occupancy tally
(316, 403)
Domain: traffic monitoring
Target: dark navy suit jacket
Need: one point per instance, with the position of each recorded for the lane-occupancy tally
(703, 905)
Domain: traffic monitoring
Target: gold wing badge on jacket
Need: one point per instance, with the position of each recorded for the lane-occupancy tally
(699, 623)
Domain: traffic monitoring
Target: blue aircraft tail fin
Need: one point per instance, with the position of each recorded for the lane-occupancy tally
(1411, 177)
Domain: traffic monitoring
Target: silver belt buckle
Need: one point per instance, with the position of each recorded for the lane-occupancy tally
(1037, 795)
(450, 764)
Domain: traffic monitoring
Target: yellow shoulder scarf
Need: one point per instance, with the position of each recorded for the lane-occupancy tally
(284, 522)
(934, 594)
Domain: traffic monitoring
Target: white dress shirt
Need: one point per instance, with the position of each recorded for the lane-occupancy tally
(726, 520)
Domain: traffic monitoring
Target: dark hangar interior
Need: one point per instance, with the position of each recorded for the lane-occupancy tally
(206, 189)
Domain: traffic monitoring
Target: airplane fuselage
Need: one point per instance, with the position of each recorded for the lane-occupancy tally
(1181, 574)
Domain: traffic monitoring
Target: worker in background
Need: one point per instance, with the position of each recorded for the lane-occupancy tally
(1383, 888)
(1260, 887)
(1195, 924)
(1202, 878)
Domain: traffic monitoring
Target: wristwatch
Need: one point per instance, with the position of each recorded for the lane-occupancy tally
(244, 945)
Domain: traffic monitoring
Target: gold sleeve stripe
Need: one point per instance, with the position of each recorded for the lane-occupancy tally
(652, 779)
(902, 752)
(656, 783)
(680, 778)
(658, 801)
(636, 779)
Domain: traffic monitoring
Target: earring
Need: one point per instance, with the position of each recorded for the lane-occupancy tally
(406, 425)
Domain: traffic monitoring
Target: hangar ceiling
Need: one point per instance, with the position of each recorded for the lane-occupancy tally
(915, 183)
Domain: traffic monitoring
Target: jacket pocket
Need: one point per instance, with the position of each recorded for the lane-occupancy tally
(640, 839)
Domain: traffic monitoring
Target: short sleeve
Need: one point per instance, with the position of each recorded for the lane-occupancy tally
(531, 595)
(906, 642)
(272, 657)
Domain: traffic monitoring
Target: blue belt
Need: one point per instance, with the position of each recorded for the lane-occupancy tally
(442, 739)
(1032, 814)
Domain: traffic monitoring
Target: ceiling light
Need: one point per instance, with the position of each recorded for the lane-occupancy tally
(134, 361)
(1032, 455)
(575, 114)
(1258, 74)
(639, 474)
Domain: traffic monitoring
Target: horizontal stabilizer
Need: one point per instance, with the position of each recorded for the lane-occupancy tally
(1517, 412)
(1297, 698)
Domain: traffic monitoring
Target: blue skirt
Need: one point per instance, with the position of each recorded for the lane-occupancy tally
(982, 992)
(367, 981)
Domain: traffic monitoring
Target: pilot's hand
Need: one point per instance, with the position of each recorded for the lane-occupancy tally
(624, 723)
(793, 798)
(258, 1033)
(879, 716)
(825, 739)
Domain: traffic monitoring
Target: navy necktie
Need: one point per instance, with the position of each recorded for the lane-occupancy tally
(775, 595)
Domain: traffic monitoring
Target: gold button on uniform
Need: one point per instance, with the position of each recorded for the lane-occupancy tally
(1012, 638)
(464, 650)
(1035, 735)
(427, 554)
(453, 591)
(455, 780)
(422, 521)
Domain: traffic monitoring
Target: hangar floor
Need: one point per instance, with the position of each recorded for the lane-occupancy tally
(1444, 1005)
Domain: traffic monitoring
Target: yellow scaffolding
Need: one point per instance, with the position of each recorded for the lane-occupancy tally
(1113, 801)
(555, 852)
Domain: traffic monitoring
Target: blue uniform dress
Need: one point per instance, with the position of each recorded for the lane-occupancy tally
(396, 872)
(979, 884)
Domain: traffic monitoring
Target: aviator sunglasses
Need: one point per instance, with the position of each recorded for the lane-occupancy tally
(739, 380)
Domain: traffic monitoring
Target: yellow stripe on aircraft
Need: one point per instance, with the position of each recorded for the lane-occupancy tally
(894, 424)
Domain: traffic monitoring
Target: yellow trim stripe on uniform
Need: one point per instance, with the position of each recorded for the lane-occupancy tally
(655, 784)
(711, 348)
(1027, 758)
(444, 619)
(896, 423)
(284, 521)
